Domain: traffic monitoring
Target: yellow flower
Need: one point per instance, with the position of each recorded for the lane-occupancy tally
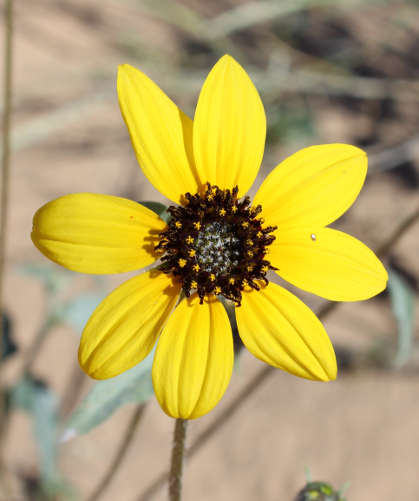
(207, 165)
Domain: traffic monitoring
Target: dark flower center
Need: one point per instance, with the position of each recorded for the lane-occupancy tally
(216, 243)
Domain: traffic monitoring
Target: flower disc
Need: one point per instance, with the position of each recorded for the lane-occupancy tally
(216, 244)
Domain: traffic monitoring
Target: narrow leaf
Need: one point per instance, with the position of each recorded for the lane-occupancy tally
(40, 402)
(8, 345)
(158, 208)
(106, 397)
(402, 301)
(76, 312)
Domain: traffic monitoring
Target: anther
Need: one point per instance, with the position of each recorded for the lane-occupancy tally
(189, 239)
(182, 262)
(196, 267)
(192, 252)
(178, 224)
(197, 225)
(194, 284)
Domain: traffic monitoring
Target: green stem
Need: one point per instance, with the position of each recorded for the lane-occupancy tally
(120, 454)
(178, 452)
(34, 349)
(7, 100)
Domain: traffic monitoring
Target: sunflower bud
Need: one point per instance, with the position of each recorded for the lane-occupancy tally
(319, 491)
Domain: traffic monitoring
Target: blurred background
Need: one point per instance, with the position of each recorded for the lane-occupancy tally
(328, 71)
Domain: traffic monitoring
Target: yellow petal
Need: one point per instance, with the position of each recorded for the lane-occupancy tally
(161, 134)
(194, 359)
(229, 128)
(329, 263)
(282, 331)
(313, 187)
(93, 233)
(124, 327)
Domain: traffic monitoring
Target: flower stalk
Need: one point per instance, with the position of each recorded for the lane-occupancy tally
(120, 454)
(5, 168)
(176, 467)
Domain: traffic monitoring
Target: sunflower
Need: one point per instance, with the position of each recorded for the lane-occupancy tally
(217, 244)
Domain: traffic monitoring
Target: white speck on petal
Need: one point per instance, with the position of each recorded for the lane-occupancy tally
(313, 236)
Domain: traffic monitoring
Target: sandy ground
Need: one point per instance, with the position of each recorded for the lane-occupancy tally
(69, 137)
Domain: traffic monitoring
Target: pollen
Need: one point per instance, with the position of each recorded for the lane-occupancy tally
(229, 244)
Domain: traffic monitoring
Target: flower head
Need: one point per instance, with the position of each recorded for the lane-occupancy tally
(217, 243)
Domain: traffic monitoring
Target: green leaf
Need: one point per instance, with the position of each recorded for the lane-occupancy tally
(106, 397)
(53, 278)
(237, 342)
(45, 427)
(402, 301)
(34, 397)
(76, 312)
(158, 208)
(9, 347)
